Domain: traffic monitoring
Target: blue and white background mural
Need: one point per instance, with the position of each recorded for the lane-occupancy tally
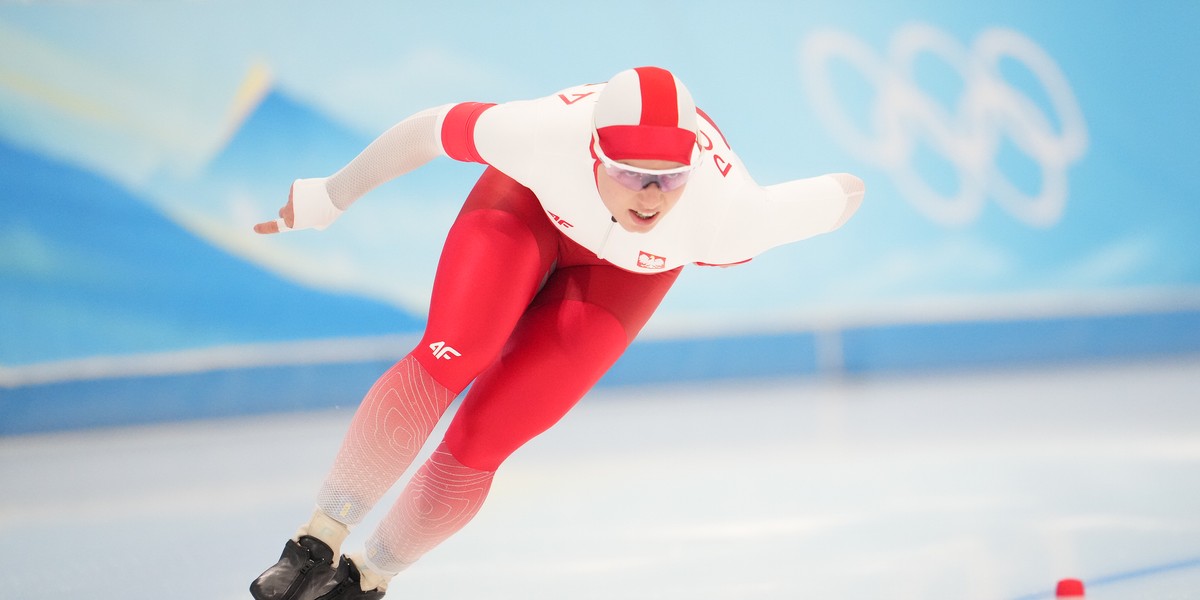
(1032, 171)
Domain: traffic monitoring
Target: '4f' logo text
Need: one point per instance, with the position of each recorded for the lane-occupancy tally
(441, 350)
(559, 220)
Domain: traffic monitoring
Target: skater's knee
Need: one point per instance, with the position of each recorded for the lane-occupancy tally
(476, 452)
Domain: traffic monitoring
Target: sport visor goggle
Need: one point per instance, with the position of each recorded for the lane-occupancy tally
(637, 178)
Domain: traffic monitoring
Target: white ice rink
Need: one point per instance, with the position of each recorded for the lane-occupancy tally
(960, 487)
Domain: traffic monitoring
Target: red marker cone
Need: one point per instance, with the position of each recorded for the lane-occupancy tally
(1069, 588)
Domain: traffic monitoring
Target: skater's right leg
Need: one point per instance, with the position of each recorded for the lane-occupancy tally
(496, 257)
(388, 430)
(386, 433)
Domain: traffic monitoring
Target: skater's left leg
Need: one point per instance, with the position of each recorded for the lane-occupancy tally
(572, 333)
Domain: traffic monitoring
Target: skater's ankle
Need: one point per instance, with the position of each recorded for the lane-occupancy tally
(371, 577)
(327, 529)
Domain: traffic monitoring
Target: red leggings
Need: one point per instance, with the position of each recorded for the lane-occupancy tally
(530, 316)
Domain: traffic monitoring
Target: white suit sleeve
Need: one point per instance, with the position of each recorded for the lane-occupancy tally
(408, 145)
(788, 212)
(318, 202)
(800, 209)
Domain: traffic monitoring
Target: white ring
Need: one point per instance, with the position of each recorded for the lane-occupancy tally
(969, 135)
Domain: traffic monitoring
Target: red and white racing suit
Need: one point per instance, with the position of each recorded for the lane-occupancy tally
(538, 292)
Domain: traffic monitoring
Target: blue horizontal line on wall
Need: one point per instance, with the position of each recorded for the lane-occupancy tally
(856, 351)
(970, 344)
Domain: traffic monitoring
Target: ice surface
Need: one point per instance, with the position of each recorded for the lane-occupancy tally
(965, 486)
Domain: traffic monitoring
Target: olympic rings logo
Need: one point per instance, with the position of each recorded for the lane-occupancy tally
(988, 109)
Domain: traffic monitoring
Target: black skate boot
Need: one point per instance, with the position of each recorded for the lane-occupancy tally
(348, 586)
(304, 572)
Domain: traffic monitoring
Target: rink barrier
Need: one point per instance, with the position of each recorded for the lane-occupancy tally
(915, 347)
(207, 385)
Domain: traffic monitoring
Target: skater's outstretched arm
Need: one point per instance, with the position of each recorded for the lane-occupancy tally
(316, 203)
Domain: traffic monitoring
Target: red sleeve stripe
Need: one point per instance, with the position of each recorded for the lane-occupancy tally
(458, 131)
(714, 126)
(740, 262)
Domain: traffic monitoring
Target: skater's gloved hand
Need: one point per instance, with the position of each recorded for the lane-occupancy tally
(308, 207)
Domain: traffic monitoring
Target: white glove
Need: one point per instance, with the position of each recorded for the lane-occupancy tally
(311, 206)
(854, 188)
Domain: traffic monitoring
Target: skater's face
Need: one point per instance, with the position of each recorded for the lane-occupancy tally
(638, 205)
